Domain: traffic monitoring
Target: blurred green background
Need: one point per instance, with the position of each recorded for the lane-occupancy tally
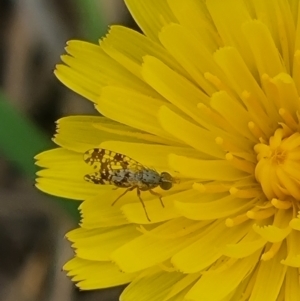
(33, 225)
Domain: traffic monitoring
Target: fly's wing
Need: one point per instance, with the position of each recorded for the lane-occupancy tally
(107, 163)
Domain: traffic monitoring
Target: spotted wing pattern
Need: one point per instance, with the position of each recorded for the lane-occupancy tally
(107, 163)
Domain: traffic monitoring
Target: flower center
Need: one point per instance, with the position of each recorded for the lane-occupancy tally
(278, 167)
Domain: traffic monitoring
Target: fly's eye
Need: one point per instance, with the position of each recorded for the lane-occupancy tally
(166, 185)
(166, 181)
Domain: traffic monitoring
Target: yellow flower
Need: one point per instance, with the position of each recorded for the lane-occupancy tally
(210, 94)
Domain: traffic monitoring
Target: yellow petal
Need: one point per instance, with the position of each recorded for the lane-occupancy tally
(77, 82)
(97, 244)
(233, 112)
(214, 209)
(154, 287)
(77, 133)
(86, 59)
(67, 188)
(154, 247)
(281, 23)
(229, 25)
(249, 244)
(194, 57)
(121, 44)
(293, 257)
(242, 80)
(173, 87)
(227, 280)
(292, 288)
(272, 233)
(97, 211)
(271, 274)
(145, 14)
(80, 133)
(193, 15)
(64, 174)
(267, 57)
(206, 249)
(182, 286)
(133, 109)
(86, 274)
(135, 212)
(189, 133)
(219, 170)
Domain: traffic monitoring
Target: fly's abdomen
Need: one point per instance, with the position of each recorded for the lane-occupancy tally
(124, 178)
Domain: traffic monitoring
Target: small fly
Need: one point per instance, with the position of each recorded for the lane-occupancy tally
(124, 172)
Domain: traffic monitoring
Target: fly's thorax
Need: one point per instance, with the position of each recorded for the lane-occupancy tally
(148, 179)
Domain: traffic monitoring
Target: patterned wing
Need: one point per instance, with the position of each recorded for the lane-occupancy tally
(106, 163)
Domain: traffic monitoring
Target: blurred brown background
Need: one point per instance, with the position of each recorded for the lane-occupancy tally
(32, 225)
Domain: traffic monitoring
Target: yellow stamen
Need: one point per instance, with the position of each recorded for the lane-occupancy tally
(286, 130)
(270, 89)
(296, 70)
(261, 214)
(213, 187)
(221, 86)
(281, 204)
(214, 116)
(226, 145)
(288, 118)
(235, 221)
(272, 251)
(245, 193)
(255, 130)
(295, 224)
(166, 268)
(255, 106)
(240, 164)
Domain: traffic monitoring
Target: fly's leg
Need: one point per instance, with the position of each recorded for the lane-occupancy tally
(159, 196)
(143, 204)
(128, 189)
